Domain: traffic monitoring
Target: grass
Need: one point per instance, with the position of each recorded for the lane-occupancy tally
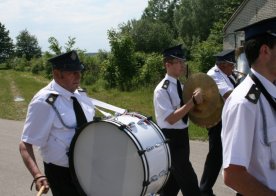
(14, 83)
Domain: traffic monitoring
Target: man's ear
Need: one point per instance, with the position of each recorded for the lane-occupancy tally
(221, 65)
(167, 64)
(264, 51)
(56, 73)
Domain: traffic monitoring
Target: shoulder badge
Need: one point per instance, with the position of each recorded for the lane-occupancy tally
(253, 94)
(166, 84)
(51, 98)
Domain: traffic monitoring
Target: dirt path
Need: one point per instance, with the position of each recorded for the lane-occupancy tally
(19, 104)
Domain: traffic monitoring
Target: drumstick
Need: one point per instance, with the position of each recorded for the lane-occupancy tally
(40, 192)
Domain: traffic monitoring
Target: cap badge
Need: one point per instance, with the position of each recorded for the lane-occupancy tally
(73, 56)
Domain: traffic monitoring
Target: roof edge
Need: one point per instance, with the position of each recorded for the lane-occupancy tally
(235, 14)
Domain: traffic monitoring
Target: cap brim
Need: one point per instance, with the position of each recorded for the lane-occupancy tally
(76, 68)
(230, 62)
(184, 59)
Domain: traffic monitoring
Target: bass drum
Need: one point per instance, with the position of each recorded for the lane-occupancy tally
(123, 156)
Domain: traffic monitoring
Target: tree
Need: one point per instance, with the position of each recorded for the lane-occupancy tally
(27, 45)
(6, 45)
(203, 52)
(122, 62)
(194, 19)
(54, 45)
(151, 36)
(152, 71)
(70, 44)
(161, 10)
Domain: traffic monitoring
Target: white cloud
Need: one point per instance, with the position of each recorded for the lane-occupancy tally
(87, 20)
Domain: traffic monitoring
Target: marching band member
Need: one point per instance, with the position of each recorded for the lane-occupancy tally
(54, 114)
(222, 75)
(249, 117)
(171, 116)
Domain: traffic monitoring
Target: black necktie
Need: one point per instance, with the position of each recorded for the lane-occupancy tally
(80, 116)
(232, 81)
(179, 90)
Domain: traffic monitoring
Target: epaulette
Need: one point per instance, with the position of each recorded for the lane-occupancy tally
(253, 94)
(166, 84)
(82, 90)
(51, 98)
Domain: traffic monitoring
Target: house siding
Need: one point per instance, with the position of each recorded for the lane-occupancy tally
(251, 11)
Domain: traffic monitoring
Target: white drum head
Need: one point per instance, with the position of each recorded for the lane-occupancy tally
(104, 160)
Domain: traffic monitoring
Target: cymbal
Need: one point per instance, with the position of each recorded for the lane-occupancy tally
(206, 113)
(209, 90)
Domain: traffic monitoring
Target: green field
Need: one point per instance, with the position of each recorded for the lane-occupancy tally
(22, 84)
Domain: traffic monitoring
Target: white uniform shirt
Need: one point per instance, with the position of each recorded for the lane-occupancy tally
(221, 79)
(243, 132)
(166, 101)
(44, 129)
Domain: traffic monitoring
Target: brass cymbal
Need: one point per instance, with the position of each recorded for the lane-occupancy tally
(209, 90)
(206, 113)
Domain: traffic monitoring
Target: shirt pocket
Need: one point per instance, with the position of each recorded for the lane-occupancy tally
(65, 118)
(58, 124)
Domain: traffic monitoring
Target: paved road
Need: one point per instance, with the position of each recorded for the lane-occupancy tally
(15, 179)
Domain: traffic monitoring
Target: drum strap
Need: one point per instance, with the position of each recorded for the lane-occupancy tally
(108, 106)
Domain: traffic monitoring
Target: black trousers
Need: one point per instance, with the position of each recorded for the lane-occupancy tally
(213, 161)
(182, 176)
(60, 180)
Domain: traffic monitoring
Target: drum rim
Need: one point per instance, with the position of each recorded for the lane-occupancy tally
(152, 123)
(71, 159)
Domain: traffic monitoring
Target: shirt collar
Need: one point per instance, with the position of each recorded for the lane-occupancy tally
(218, 69)
(269, 86)
(62, 91)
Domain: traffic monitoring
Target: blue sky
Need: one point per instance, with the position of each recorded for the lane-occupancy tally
(86, 20)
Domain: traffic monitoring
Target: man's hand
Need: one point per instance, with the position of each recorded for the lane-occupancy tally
(197, 96)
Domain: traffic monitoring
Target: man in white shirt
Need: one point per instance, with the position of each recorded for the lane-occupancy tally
(51, 122)
(222, 75)
(171, 116)
(249, 117)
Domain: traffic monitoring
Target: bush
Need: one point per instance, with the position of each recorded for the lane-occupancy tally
(36, 65)
(20, 64)
(4, 66)
(152, 71)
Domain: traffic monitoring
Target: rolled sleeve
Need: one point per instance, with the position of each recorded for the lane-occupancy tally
(163, 105)
(237, 135)
(38, 123)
